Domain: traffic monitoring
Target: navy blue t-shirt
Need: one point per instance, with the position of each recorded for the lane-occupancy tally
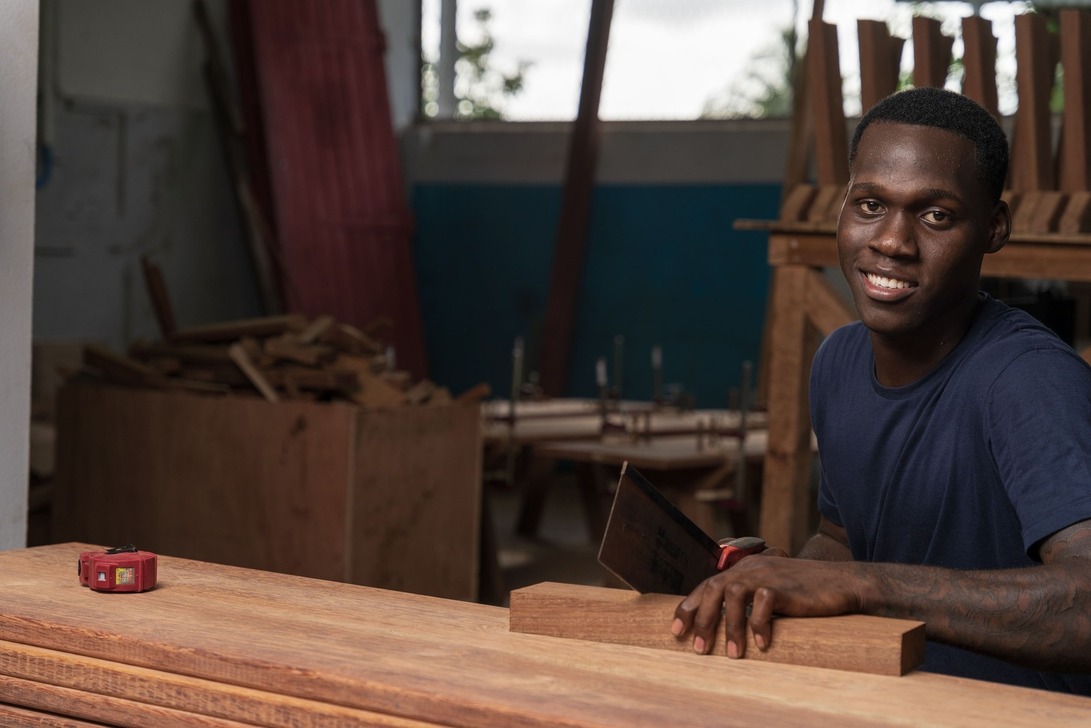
(970, 467)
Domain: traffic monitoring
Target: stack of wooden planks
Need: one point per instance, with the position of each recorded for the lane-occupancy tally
(222, 646)
(285, 357)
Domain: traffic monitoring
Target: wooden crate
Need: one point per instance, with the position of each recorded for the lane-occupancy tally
(385, 497)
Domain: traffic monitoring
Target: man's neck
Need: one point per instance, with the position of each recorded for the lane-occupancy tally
(902, 360)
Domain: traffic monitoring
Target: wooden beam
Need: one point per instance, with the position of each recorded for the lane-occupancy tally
(1075, 162)
(1032, 159)
(979, 63)
(157, 292)
(786, 504)
(931, 53)
(827, 105)
(880, 62)
(859, 643)
(568, 255)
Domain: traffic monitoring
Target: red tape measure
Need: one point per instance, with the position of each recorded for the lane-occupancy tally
(122, 569)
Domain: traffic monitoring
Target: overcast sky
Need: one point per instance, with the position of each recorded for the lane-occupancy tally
(667, 57)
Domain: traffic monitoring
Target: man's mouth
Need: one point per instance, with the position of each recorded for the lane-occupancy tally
(888, 283)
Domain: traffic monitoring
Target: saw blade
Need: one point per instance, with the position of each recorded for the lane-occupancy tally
(651, 545)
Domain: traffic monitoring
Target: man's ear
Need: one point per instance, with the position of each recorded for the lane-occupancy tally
(999, 227)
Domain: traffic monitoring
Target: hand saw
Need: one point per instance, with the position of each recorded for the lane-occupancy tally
(653, 547)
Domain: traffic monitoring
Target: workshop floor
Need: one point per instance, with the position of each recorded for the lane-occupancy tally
(562, 551)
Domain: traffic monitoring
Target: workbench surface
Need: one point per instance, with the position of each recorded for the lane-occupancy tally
(217, 645)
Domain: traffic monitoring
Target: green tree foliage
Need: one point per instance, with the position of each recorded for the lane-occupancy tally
(764, 90)
(480, 88)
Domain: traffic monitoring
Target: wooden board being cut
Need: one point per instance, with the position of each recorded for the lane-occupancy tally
(856, 642)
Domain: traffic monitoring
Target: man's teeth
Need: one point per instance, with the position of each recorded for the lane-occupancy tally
(887, 282)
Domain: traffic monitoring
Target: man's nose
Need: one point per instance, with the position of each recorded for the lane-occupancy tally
(896, 237)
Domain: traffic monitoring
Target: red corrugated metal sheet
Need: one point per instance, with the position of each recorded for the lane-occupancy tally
(339, 208)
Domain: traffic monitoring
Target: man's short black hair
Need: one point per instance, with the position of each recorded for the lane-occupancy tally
(953, 112)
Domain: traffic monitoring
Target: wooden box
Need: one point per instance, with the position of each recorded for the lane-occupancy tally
(379, 497)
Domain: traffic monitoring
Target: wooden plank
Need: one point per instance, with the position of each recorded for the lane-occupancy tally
(858, 643)
(797, 202)
(1064, 258)
(1075, 145)
(880, 61)
(229, 122)
(120, 368)
(1032, 158)
(1047, 212)
(231, 330)
(416, 500)
(238, 354)
(568, 254)
(931, 53)
(827, 104)
(826, 206)
(29, 718)
(786, 504)
(157, 292)
(979, 63)
(456, 663)
(124, 695)
(1076, 217)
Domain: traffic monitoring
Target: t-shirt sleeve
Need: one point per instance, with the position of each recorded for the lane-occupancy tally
(818, 390)
(1039, 425)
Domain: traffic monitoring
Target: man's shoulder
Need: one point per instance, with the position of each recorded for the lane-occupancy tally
(1009, 332)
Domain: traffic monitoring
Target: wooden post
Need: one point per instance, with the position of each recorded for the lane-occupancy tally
(785, 510)
(880, 62)
(1032, 162)
(1075, 163)
(979, 63)
(575, 207)
(931, 53)
(824, 81)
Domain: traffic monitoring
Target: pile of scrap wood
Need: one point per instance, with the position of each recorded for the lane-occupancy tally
(286, 357)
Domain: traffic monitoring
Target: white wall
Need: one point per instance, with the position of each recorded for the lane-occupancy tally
(18, 79)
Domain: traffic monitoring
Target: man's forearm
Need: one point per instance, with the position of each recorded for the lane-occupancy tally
(1039, 616)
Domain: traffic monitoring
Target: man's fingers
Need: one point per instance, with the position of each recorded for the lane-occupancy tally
(706, 618)
(761, 617)
(735, 600)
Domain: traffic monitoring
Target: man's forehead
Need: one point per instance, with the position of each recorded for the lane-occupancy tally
(883, 131)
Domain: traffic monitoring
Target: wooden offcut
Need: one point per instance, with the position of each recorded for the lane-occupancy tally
(859, 643)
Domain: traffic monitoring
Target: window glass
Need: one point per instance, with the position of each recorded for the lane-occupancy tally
(521, 60)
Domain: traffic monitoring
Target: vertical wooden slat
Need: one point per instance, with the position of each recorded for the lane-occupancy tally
(824, 80)
(1075, 163)
(880, 62)
(1032, 163)
(785, 496)
(1075, 147)
(568, 255)
(931, 53)
(979, 63)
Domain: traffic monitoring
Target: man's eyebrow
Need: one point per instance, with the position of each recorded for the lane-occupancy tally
(929, 193)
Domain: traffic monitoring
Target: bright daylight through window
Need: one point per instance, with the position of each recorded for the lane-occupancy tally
(521, 60)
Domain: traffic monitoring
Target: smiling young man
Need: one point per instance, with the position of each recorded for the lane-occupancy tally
(954, 432)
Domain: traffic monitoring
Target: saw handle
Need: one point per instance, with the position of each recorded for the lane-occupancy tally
(736, 549)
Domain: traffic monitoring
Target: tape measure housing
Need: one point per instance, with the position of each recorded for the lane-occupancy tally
(118, 570)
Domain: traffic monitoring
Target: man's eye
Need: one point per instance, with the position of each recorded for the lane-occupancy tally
(937, 216)
(870, 206)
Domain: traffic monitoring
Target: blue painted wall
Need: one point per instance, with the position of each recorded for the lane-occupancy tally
(663, 266)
